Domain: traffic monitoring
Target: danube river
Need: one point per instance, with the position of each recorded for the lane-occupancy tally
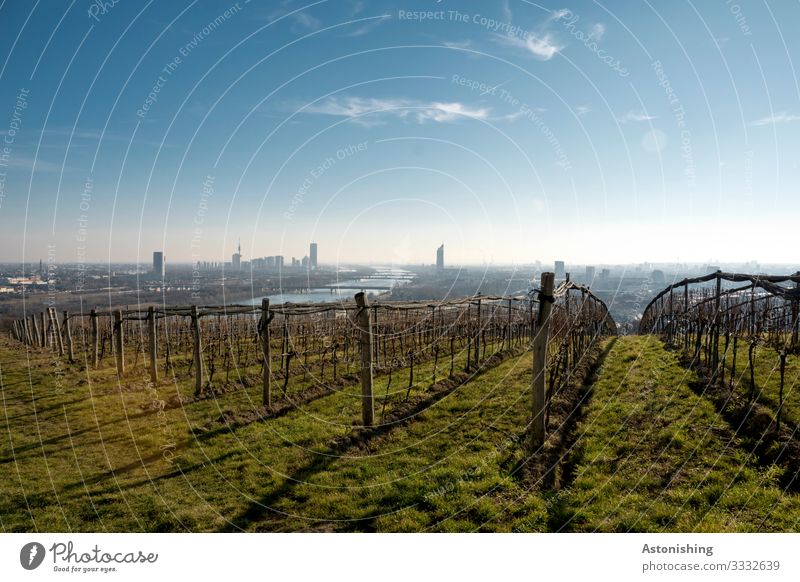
(344, 288)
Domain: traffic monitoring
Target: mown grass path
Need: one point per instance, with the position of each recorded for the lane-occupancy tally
(654, 456)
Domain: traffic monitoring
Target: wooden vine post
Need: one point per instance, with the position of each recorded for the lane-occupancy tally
(68, 337)
(35, 330)
(198, 362)
(44, 330)
(152, 347)
(363, 320)
(540, 360)
(265, 353)
(56, 330)
(715, 339)
(119, 343)
(93, 319)
(796, 312)
(477, 350)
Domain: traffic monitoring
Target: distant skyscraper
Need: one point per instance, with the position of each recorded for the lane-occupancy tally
(560, 270)
(312, 255)
(589, 274)
(158, 263)
(440, 257)
(236, 259)
(279, 261)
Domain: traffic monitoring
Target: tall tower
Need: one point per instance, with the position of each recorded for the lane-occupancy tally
(560, 270)
(158, 263)
(236, 260)
(312, 256)
(440, 258)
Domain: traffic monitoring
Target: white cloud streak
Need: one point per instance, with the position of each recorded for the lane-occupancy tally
(635, 117)
(776, 119)
(368, 110)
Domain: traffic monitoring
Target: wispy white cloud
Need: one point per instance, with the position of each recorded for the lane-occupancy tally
(558, 14)
(635, 117)
(598, 30)
(306, 20)
(776, 118)
(301, 19)
(369, 110)
(541, 47)
(463, 44)
(582, 109)
(29, 164)
(366, 27)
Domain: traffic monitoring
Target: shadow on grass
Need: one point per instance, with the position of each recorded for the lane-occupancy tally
(263, 510)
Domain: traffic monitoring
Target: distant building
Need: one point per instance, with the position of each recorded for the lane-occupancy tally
(279, 261)
(657, 277)
(236, 260)
(312, 255)
(158, 263)
(560, 270)
(440, 257)
(605, 275)
(304, 262)
(589, 276)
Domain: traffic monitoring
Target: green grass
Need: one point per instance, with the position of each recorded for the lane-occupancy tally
(654, 456)
(77, 453)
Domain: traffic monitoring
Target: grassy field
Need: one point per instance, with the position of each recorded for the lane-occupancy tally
(654, 456)
(84, 452)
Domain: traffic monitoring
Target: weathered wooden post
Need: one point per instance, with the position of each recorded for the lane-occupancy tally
(151, 344)
(56, 330)
(540, 360)
(119, 343)
(508, 326)
(796, 312)
(715, 339)
(198, 362)
(780, 395)
(477, 350)
(364, 322)
(68, 337)
(44, 330)
(266, 353)
(95, 346)
(35, 330)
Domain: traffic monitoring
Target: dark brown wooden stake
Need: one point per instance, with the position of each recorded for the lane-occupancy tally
(152, 346)
(119, 343)
(94, 339)
(365, 326)
(266, 354)
(540, 361)
(198, 363)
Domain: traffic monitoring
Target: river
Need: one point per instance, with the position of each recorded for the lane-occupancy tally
(344, 288)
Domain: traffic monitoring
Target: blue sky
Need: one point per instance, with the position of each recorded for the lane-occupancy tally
(511, 131)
